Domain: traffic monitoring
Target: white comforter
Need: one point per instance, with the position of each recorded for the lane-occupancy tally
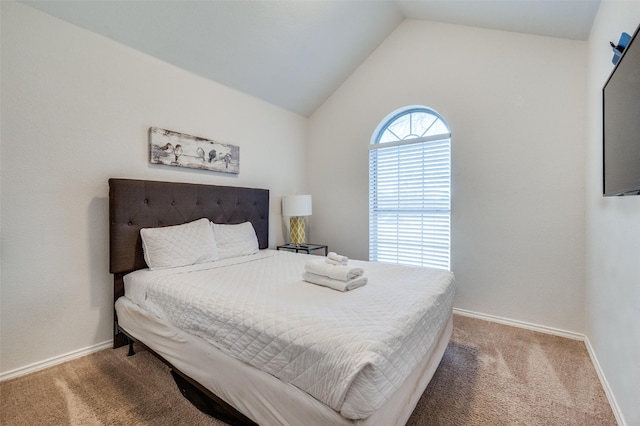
(350, 350)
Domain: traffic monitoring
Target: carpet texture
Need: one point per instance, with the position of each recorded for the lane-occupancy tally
(491, 374)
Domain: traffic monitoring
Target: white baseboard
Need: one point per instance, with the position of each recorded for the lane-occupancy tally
(40, 365)
(605, 384)
(520, 324)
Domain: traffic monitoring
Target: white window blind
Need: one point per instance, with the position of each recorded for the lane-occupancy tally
(409, 198)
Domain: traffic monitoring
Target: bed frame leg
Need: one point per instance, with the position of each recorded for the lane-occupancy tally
(131, 351)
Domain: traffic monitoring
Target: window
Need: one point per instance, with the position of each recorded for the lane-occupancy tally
(410, 189)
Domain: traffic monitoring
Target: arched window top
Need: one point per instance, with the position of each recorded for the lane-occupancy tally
(414, 122)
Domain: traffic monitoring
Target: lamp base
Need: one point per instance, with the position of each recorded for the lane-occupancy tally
(297, 230)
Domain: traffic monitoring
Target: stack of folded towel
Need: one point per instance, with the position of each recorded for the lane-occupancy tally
(334, 273)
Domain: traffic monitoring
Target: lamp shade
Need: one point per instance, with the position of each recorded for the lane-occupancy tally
(296, 205)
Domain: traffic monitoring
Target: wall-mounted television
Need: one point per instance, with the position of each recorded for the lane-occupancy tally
(621, 124)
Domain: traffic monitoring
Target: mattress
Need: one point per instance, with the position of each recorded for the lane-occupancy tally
(351, 351)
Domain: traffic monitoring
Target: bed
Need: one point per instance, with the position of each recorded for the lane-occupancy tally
(278, 350)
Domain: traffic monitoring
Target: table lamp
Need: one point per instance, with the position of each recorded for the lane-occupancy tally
(296, 207)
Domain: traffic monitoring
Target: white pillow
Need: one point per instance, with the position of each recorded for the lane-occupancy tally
(235, 240)
(179, 245)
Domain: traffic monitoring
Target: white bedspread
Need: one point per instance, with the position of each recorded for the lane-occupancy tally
(350, 350)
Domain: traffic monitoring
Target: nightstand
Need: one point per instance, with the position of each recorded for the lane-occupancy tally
(304, 248)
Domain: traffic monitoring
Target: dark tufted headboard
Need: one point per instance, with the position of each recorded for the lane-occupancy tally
(136, 204)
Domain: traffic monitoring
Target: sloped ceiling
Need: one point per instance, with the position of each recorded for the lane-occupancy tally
(294, 54)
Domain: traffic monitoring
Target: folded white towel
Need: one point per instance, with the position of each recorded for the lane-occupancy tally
(336, 259)
(336, 272)
(334, 284)
(333, 262)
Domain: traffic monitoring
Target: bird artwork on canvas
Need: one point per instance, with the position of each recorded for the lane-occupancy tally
(178, 149)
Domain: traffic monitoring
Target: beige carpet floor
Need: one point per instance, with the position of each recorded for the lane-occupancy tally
(491, 374)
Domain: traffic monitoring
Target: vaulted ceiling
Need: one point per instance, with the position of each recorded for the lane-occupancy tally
(294, 54)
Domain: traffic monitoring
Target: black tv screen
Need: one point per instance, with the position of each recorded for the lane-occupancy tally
(621, 124)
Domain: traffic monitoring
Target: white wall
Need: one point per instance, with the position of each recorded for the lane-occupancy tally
(613, 234)
(76, 108)
(516, 107)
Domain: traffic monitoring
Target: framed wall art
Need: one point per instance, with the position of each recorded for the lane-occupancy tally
(178, 149)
